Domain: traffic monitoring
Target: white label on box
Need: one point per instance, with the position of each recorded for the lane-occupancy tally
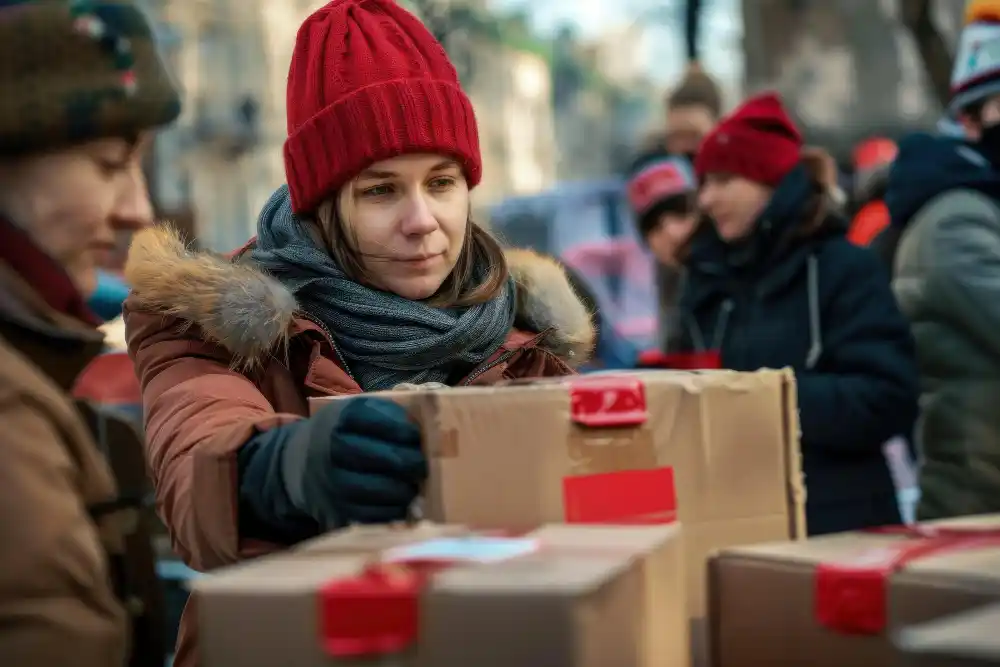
(474, 549)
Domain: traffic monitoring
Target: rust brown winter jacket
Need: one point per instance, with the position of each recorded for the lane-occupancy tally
(199, 410)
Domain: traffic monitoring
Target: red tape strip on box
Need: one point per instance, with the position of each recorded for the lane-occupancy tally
(627, 497)
(680, 361)
(851, 595)
(608, 401)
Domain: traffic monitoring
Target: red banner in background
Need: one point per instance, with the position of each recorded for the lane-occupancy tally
(680, 361)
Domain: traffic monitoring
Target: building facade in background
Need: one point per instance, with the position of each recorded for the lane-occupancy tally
(218, 165)
(222, 159)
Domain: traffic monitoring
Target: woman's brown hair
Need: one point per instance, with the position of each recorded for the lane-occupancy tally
(822, 170)
(460, 289)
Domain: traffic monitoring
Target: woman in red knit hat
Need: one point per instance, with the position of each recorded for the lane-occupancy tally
(366, 274)
(772, 282)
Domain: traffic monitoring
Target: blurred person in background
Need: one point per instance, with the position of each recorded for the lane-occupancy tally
(944, 199)
(366, 274)
(662, 193)
(83, 89)
(693, 108)
(771, 282)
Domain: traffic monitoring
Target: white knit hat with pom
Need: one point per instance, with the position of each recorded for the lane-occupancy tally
(976, 73)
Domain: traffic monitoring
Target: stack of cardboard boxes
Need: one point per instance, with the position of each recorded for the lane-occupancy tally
(617, 495)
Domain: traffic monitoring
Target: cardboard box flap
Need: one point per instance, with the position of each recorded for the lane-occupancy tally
(974, 634)
(288, 573)
(554, 573)
(370, 539)
(627, 538)
(568, 559)
(979, 561)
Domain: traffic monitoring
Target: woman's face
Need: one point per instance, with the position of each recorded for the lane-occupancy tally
(669, 232)
(687, 125)
(73, 201)
(408, 216)
(733, 203)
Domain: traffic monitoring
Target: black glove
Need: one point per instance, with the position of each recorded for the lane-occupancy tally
(354, 461)
(359, 462)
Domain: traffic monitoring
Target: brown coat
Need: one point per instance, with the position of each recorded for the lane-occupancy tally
(221, 353)
(57, 606)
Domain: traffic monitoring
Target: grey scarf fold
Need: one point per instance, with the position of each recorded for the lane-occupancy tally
(385, 339)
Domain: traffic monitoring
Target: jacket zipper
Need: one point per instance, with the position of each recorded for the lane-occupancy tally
(496, 362)
(333, 343)
(721, 323)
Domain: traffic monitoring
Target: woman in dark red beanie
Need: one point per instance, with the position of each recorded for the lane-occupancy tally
(772, 282)
(366, 274)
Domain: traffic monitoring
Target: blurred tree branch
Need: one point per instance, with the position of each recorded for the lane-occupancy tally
(931, 45)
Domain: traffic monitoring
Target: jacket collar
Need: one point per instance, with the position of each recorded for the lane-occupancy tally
(60, 345)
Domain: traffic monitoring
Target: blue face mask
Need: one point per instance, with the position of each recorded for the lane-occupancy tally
(106, 301)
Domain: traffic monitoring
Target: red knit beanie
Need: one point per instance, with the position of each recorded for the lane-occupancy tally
(758, 141)
(368, 82)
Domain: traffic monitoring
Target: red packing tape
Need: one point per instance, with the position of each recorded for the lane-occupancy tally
(851, 595)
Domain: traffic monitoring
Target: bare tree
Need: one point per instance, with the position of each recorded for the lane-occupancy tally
(918, 17)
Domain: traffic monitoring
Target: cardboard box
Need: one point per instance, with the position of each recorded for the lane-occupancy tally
(969, 639)
(835, 600)
(613, 448)
(528, 453)
(562, 596)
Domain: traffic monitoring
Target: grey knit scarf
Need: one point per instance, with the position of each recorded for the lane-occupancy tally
(385, 339)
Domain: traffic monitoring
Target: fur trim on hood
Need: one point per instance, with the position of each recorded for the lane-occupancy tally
(249, 313)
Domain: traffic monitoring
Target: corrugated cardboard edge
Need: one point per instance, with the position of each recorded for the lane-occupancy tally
(796, 503)
(793, 457)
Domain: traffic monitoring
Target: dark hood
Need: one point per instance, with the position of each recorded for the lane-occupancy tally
(928, 165)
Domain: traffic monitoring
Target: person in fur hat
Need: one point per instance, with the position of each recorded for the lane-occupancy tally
(83, 91)
(367, 273)
(772, 282)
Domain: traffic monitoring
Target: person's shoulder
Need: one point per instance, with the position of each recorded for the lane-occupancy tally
(22, 383)
(958, 203)
(847, 261)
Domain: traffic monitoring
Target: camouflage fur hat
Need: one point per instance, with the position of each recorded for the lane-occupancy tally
(76, 70)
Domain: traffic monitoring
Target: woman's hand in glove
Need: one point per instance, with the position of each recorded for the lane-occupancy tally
(357, 460)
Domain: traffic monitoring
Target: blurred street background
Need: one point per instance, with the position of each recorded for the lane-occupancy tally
(565, 90)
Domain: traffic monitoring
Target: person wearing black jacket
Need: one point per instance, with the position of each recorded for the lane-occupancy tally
(772, 282)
